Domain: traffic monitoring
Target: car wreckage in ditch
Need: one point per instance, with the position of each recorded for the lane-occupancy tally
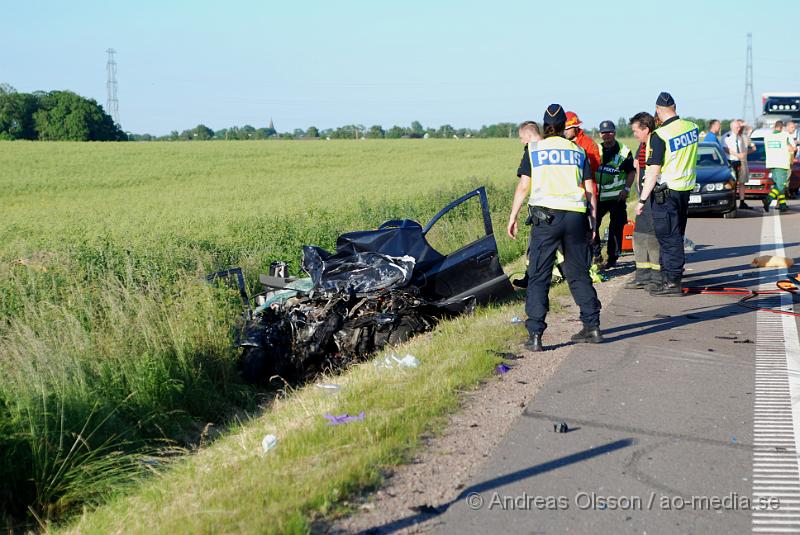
(379, 288)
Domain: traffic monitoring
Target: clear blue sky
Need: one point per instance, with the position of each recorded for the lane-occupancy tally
(459, 62)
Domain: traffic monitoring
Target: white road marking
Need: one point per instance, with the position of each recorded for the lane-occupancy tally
(776, 423)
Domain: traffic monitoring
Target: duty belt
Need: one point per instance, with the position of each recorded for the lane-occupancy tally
(539, 214)
(660, 193)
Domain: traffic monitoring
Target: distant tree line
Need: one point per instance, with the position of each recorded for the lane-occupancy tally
(66, 116)
(358, 131)
(351, 131)
(54, 116)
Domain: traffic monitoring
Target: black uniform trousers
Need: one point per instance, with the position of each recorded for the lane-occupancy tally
(618, 213)
(570, 231)
(669, 223)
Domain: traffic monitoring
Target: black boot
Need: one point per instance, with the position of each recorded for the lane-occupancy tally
(641, 279)
(521, 283)
(656, 280)
(534, 343)
(668, 288)
(766, 200)
(588, 335)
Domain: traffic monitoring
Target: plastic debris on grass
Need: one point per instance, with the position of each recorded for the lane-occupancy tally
(393, 361)
(328, 388)
(344, 418)
(269, 442)
(502, 368)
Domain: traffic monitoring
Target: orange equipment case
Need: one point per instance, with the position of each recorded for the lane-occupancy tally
(627, 237)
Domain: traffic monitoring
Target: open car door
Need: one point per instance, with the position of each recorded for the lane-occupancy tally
(472, 270)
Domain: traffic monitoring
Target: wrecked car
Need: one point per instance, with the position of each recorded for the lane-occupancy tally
(378, 288)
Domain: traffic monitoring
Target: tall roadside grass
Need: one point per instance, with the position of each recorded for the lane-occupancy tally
(113, 352)
(233, 486)
(112, 371)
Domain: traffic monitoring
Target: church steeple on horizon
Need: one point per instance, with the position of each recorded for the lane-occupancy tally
(271, 126)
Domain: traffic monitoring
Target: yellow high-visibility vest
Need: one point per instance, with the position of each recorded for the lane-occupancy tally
(680, 159)
(557, 174)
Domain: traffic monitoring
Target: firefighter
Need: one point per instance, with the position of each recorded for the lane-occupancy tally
(557, 208)
(575, 133)
(669, 179)
(646, 251)
(614, 178)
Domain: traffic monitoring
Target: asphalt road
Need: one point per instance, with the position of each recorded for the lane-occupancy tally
(670, 420)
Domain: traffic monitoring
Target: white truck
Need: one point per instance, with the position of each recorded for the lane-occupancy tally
(784, 106)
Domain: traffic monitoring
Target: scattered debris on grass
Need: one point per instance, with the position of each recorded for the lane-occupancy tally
(393, 361)
(501, 369)
(329, 388)
(343, 418)
(269, 442)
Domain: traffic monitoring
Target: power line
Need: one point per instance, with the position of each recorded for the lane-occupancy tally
(112, 104)
(749, 97)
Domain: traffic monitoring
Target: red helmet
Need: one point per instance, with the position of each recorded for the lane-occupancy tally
(572, 120)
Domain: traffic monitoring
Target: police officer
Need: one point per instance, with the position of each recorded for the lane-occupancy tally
(669, 178)
(614, 179)
(555, 175)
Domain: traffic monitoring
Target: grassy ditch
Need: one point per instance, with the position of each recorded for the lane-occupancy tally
(103, 363)
(234, 486)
